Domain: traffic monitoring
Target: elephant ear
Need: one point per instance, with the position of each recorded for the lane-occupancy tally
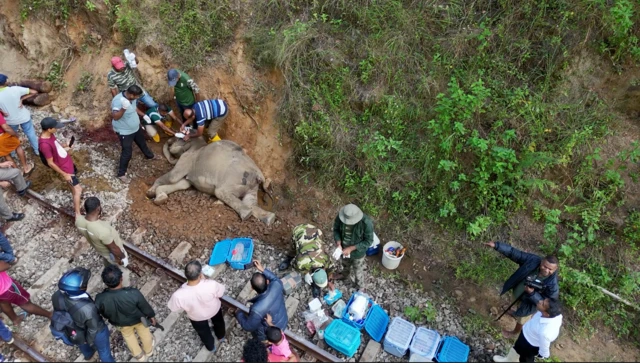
(167, 154)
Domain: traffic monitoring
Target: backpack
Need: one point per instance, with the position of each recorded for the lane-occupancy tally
(62, 325)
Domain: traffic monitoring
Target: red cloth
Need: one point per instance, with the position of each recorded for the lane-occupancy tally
(2, 122)
(15, 294)
(51, 148)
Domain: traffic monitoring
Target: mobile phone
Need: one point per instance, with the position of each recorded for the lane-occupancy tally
(248, 266)
(73, 139)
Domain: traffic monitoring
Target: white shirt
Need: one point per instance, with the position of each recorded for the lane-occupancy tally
(10, 103)
(541, 332)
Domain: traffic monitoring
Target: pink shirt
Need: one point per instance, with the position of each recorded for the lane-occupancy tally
(5, 282)
(282, 349)
(200, 302)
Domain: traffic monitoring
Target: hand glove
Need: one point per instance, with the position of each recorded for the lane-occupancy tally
(125, 261)
(125, 103)
(146, 119)
(308, 279)
(337, 253)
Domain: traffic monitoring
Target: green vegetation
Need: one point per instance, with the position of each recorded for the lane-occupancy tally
(464, 114)
(85, 84)
(55, 76)
(193, 29)
(129, 20)
(421, 315)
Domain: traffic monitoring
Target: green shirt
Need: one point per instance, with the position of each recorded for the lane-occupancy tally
(184, 90)
(154, 115)
(99, 234)
(361, 235)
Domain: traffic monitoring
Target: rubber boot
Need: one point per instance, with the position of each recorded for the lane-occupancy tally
(156, 138)
(214, 139)
(513, 356)
(167, 124)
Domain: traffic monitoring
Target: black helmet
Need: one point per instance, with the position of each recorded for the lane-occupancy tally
(74, 282)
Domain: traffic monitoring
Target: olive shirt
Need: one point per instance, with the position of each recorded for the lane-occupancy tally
(361, 235)
(99, 234)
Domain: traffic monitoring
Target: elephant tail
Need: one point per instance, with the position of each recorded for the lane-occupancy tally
(167, 154)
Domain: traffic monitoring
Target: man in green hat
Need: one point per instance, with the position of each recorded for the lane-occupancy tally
(353, 234)
(311, 258)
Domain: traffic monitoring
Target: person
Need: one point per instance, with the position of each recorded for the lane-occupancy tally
(127, 125)
(309, 257)
(9, 173)
(353, 234)
(200, 297)
(270, 300)
(534, 268)
(124, 307)
(278, 343)
(10, 143)
(185, 90)
(168, 115)
(154, 120)
(121, 77)
(101, 234)
(207, 113)
(6, 251)
(11, 292)
(537, 334)
(6, 336)
(59, 159)
(72, 290)
(254, 351)
(18, 116)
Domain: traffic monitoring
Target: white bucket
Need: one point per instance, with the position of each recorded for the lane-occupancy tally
(390, 262)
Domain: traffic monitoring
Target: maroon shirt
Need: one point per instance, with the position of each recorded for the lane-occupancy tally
(51, 148)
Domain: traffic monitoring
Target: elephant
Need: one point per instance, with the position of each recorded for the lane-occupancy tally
(221, 168)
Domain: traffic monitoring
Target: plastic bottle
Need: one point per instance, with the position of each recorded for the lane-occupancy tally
(131, 58)
(237, 252)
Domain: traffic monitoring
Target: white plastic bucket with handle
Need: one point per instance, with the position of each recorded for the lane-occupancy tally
(390, 262)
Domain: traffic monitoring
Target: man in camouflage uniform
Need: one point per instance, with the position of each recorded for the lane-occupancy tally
(311, 258)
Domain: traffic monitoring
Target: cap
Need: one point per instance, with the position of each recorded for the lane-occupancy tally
(320, 278)
(3, 79)
(50, 123)
(172, 76)
(350, 214)
(117, 63)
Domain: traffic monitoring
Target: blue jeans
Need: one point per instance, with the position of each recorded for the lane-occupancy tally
(101, 344)
(5, 333)
(148, 100)
(30, 131)
(6, 254)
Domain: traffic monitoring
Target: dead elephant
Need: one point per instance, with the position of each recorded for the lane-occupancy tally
(221, 169)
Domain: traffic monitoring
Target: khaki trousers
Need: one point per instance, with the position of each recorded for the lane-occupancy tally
(129, 335)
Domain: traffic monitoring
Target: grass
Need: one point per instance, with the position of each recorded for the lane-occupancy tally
(458, 114)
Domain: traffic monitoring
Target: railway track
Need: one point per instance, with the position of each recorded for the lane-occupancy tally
(39, 346)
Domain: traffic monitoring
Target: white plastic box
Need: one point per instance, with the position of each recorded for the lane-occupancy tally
(424, 345)
(398, 337)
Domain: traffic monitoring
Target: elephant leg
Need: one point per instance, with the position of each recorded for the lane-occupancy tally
(179, 171)
(251, 200)
(163, 191)
(234, 202)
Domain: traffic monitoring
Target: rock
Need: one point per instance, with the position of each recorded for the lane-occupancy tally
(493, 310)
(472, 299)
(490, 346)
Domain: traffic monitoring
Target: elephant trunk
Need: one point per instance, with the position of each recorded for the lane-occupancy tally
(167, 154)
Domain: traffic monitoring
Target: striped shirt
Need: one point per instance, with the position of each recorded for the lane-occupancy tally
(122, 80)
(209, 109)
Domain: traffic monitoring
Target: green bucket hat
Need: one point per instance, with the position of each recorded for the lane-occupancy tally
(320, 278)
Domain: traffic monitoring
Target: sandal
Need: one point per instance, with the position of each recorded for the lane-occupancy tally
(26, 174)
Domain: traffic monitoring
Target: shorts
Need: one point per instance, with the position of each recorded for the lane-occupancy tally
(16, 294)
(8, 144)
(74, 179)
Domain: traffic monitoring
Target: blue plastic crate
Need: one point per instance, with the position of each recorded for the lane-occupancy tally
(424, 345)
(452, 350)
(223, 252)
(376, 322)
(342, 337)
(398, 337)
(345, 316)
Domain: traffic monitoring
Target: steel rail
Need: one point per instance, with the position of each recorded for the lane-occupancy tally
(176, 274)
(32, 353)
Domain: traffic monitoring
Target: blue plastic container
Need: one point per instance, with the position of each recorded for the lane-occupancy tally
(223, 252)
(372, 251)
(424, 345)
(376, 322)
(329, 300)
(356, 324)
(399, 336)
(452, 350)
(342, 337)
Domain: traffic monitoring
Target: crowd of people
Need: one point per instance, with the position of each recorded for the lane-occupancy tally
(77, 319)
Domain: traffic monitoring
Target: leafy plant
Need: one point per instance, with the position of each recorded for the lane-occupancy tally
(85, 84)
(417, 315)
(56, 76)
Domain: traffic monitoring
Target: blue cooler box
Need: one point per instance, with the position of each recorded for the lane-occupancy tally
(223, 252)
(452, 350)
(342, 337)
